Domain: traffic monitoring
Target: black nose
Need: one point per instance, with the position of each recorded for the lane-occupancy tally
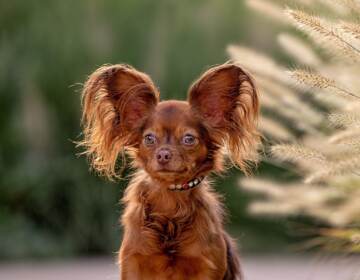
(163, 156)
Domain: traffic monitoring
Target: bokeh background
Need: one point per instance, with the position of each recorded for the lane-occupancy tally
(51, 206)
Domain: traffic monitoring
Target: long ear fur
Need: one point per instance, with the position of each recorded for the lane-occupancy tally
(116, 100)
(226, 99)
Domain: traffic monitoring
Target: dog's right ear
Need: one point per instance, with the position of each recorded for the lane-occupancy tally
(116, 100)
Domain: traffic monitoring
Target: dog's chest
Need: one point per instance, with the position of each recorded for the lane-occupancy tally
(171, 236)
(178, 249)
(174, 241)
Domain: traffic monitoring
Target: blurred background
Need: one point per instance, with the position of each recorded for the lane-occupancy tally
(51, 206)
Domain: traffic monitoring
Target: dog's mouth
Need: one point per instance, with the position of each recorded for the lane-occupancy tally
(168, 174)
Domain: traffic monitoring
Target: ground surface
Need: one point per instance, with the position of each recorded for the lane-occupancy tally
(255, 268)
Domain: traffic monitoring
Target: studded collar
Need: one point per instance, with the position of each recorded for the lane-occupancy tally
(187, 186)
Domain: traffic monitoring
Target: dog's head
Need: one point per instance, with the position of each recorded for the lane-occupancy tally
(173, 141)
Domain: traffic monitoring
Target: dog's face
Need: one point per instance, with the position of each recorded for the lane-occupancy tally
(173, 141)
(174, 145)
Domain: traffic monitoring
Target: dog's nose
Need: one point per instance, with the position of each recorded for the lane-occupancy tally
(163, 156)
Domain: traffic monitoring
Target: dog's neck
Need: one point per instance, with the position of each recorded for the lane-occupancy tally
(195, 182)
(150, 191)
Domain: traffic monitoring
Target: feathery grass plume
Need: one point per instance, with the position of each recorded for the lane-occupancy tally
(345, 74)
(351, 31)
(269, 9)
(353, 143)
(335, 7)
(321, 153)
(352, 5)
(316, 143)
(338, 97)
(340, 168)
(289, 114)
(316, 80)
(291, 101)
(352, 28)
(298, 49)
(323, 34)
(258, 63)
(341, 240)
(349, 152)
(305, 2)
(345, 119)
(285, 113)
(271, 208)
(312, 79)
(323, 145)
(267, 100)
(330, 101)
(352, 107)
(278, 190)
(349, 36)
(295, 198)
(274, 129)
(262, 186)
(345, 136)
(293, 153)
(350, 211)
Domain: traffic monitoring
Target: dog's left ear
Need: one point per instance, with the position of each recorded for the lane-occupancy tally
(226, 99)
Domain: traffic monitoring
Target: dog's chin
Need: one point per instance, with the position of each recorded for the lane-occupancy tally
(169, 175)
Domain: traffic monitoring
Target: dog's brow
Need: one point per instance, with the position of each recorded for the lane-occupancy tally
(168, 135)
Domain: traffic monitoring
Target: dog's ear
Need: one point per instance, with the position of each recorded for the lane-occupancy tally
(116, 100)
(226, 99)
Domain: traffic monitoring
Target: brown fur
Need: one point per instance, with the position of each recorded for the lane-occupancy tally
(169, 234)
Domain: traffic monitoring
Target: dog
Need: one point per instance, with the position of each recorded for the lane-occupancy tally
(172, 220)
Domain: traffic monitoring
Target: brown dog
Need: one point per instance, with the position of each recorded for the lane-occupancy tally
(173, 221)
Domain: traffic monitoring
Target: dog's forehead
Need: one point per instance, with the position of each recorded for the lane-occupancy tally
(171, 110)
(172, 114)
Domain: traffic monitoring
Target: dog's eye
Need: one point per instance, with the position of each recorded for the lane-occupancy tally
(150, 139)
(189, 140)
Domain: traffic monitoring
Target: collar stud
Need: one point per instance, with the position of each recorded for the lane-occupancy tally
(186, 186)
